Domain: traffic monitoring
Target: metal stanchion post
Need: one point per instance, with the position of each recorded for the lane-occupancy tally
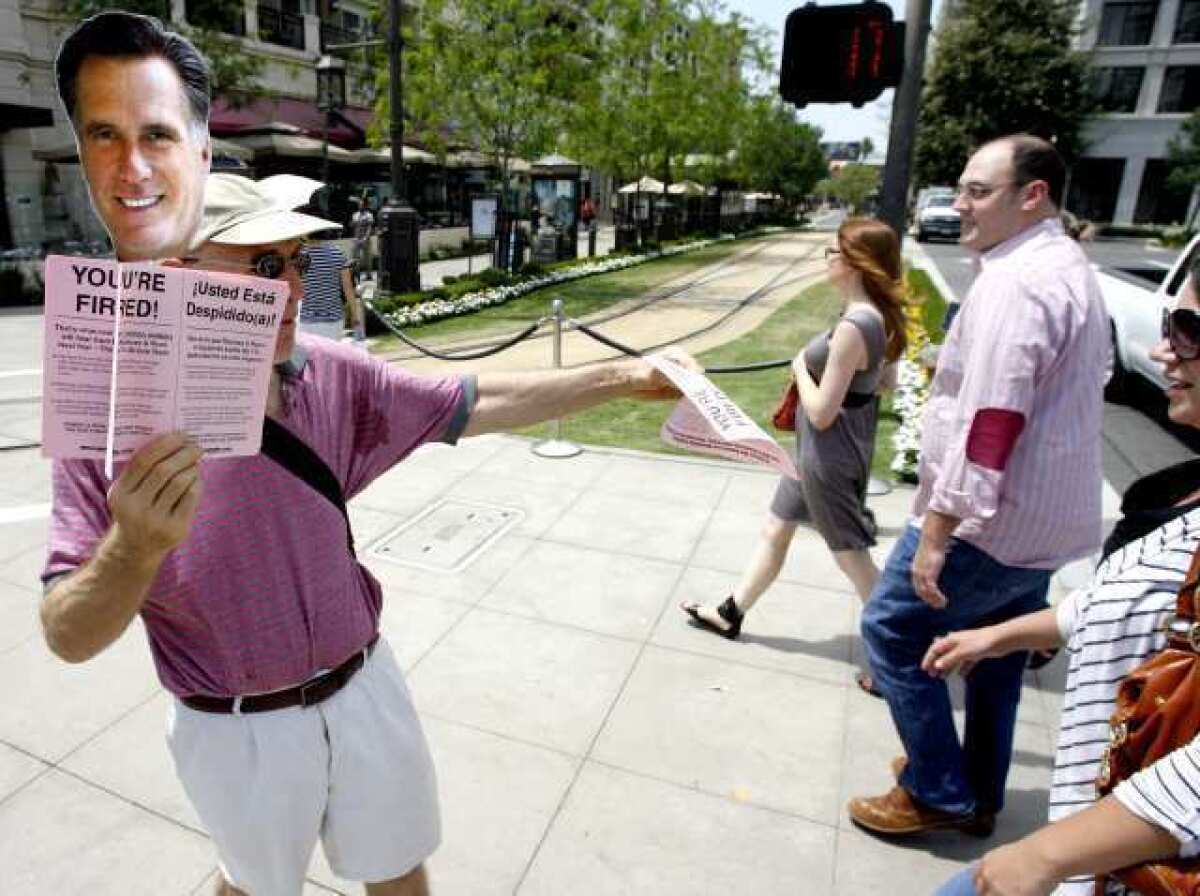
(592, 238)
(556, 446)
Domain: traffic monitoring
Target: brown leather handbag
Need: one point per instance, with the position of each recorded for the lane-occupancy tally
(784, 417)
(1158, 711)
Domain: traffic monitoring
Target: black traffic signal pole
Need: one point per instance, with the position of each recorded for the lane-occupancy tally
(893, 205)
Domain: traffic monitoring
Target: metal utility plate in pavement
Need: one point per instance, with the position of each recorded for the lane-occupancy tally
(446, 536)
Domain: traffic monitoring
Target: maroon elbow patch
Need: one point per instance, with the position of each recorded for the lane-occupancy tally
(993, 435)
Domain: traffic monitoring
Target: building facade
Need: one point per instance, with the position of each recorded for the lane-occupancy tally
(1145, 56)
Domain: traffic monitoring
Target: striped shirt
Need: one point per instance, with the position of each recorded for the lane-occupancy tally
(1011, 434)
(323, 284)
(1110, 627)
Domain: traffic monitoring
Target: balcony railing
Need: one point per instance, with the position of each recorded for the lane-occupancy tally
(283, 28)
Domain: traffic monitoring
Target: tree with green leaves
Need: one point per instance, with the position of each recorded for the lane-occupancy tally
(1001, 66)
(853, 185)
(498, 75)
(213, 27)
(777, 153)
(1183, 157)
(670, 83)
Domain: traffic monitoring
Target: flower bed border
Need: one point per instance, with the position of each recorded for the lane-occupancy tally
(441, 309)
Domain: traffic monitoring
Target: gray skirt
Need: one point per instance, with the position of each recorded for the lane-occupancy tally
(834, 466)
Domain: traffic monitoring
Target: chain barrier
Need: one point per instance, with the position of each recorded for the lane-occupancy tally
(634, 353)
(462, 356)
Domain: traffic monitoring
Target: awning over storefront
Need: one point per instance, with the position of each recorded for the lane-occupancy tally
(295, 146)
(383, 155)
(348, 130)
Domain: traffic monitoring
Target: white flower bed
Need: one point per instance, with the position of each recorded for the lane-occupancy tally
(438, 309)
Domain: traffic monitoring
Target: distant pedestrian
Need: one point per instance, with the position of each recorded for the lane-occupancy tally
(362, 227)
(328, 291)
(587, 212)
(838, 375)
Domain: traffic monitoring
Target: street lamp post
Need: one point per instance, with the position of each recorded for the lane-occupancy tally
(331, 96)
(398, 270)
(398, 219)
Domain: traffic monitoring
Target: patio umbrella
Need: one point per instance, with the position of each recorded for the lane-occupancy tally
(686, 188)
(645, 185)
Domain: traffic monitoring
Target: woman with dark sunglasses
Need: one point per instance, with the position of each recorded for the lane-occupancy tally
(1109, 627)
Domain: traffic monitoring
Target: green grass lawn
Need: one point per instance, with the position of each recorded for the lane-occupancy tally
(586, 296)
(635, 424)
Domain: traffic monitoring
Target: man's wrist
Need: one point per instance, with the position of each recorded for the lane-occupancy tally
(131, 554)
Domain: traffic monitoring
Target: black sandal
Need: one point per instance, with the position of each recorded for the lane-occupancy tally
(728, 610)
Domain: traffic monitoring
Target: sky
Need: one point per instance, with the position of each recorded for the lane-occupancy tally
(839, 122)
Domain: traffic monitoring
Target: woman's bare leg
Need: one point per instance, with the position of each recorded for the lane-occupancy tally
(762, 570)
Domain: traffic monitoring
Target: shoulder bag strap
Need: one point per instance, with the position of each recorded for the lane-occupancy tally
(295, 456)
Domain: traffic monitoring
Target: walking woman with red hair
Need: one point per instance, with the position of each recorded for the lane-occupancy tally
(838, 375)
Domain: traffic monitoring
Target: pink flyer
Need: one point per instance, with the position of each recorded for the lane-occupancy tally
(708, 422)
(194, 353)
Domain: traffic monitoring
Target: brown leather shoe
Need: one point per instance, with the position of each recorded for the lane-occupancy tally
(896, 813)
(898, 765)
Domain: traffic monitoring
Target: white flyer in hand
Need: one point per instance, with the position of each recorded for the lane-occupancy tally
(193, 352)
(708, 422)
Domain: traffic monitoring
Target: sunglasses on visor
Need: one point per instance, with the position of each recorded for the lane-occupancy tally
(1181, 328)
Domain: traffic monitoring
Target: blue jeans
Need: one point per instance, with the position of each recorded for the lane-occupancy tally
(898, 628)
(962, 884)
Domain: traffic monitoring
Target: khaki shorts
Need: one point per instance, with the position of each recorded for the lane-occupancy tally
(353, 771)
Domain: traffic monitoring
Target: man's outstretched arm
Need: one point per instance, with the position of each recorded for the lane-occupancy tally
(510, 400)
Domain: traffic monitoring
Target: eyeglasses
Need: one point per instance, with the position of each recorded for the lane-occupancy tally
(1181, 328)
(978, 192)
(269, 265)
(832, 251)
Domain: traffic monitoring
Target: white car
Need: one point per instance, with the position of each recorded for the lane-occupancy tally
(1135, 310)
(938, 217)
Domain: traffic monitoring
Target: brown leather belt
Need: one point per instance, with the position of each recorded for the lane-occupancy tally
(310, 693)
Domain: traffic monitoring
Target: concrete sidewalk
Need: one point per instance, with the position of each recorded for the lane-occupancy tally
(588, 741)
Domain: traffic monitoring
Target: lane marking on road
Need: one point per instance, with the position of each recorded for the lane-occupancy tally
(23, 513)
(29, 371)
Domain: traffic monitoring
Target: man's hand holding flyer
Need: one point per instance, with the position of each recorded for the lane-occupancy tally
(194, 353)
(708, 422)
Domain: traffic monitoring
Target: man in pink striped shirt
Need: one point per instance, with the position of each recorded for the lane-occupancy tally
(1010, 482)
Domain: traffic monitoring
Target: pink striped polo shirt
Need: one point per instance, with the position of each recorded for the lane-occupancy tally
(1011, 437)
(263, 592)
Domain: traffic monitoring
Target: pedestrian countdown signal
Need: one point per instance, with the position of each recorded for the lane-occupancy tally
(840, 54)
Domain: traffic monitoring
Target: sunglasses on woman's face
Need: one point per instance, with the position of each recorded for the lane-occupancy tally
(1181, 328)
(832, 252)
